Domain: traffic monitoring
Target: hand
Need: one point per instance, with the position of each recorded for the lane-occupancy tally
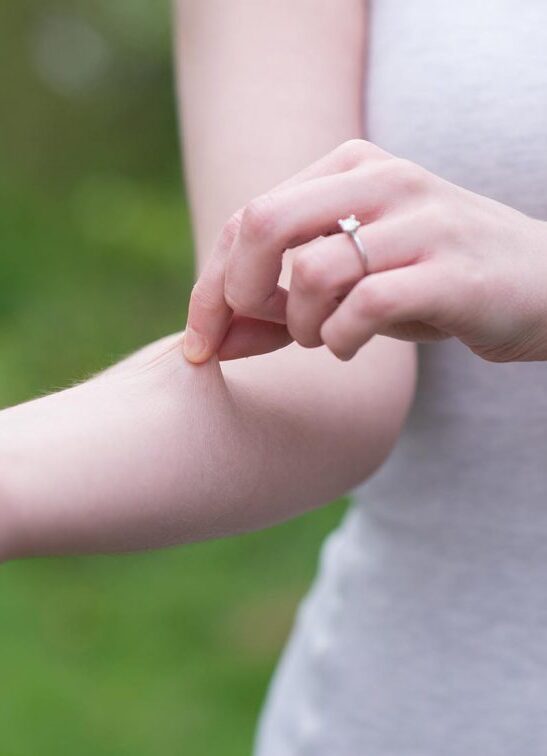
(442, 261)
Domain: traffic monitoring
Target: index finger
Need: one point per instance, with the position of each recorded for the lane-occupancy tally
(290, 217)
(209, 314)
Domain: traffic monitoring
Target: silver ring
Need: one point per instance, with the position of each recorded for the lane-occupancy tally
(349, 226)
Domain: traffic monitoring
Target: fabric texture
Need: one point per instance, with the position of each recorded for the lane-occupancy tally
(425, 632)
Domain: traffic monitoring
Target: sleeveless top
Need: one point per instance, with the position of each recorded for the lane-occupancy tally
(425, 633)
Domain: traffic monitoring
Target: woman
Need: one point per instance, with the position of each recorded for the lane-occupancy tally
(425, 631)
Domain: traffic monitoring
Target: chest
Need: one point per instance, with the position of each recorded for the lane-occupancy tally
(461, 88)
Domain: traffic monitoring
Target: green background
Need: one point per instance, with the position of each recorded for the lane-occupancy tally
(163, 653)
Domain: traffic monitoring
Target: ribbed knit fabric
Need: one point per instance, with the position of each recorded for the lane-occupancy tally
(425, 633)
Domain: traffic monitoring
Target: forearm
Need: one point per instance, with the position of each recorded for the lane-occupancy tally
(135, 458)
(265, 89)
(321, 433)
(160, 452)
(156, 451)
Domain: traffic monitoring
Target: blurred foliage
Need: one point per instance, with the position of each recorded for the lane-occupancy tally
(166, 653)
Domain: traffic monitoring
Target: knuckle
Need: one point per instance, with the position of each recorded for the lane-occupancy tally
(330, 335)
(371, 302)
(406, 176)
(352, 152)
(258, 217)
(434, 213)
(311, 271)
(307, 338)
(334, 340)
(229, 232)
(242, 305)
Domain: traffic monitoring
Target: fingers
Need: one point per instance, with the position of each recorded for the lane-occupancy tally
(325, 270)
(289, 217)
(322, 274)
(209, 316)
(209, 313)
(343, 158)
(415, 293)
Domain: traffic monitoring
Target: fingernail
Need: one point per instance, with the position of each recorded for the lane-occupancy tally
(194, 346)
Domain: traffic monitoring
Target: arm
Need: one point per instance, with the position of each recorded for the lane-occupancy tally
(440, 260)
(158, 451)
(257, 103)
(257, 106)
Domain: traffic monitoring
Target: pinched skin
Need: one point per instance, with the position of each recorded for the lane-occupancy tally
(155, 451)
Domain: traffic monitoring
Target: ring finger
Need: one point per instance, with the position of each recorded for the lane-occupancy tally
(326, 269)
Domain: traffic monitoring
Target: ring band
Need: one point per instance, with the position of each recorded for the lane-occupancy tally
(349, 226)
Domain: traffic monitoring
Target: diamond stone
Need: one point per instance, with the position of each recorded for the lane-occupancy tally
(349, 225)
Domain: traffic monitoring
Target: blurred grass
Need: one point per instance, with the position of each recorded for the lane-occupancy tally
(165, 653)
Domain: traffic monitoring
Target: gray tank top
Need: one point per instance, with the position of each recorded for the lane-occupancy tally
(425, 633)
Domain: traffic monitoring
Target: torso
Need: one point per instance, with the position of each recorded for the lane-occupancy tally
(426, 630)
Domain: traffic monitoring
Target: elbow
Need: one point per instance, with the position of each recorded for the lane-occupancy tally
(387, 407)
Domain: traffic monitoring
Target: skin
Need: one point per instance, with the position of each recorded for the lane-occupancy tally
(441, 262)
(157, 451)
